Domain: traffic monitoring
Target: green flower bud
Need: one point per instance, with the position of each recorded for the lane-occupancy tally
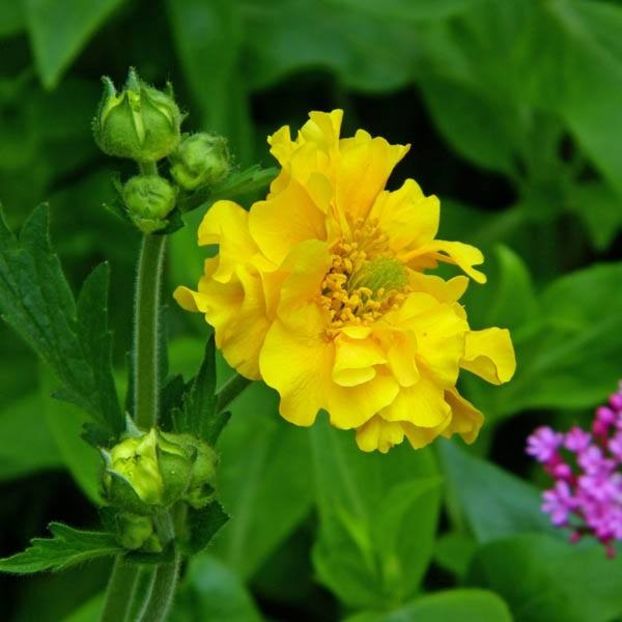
(200, 160)
(132, 472)
(149, 199)
(140, 123)
(135, 531)
(202, 486)
(177, 460)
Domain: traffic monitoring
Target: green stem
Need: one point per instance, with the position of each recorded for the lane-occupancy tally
(146, 331)
(120, 592)
(231, 389)
(162, 591)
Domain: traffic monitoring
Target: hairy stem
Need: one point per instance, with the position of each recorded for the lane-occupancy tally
(146, 331)
(162, 591)
(120, 591)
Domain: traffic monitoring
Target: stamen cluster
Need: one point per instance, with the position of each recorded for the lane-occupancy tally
(585, 466)
(347, 292)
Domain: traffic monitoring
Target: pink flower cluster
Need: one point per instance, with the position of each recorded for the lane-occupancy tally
(587, 491)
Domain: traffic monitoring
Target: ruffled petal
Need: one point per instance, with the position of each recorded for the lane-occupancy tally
(275, 234)
(297, 364)
(356, 360)
(463, 255)
(490, 355)
(226, 224)
(378, 434)
(365, 164)
(423, 405)
(407, 216)
(466, 420)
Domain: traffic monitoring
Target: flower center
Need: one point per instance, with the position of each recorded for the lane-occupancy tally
(363, 282)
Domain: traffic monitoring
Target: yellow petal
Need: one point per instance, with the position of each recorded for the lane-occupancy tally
(378, 434)
(226, 224)
(365, 165)
(444, 291)
(284, 220)
(489, 354)
(188, 299)
(356, 360)
(463, 255)
(439, 332)
(466, 420)
(419, 437)
(423, 405)
(350, 407)
(407, 216)
(306, 266)
(296, 361)
(322, 129)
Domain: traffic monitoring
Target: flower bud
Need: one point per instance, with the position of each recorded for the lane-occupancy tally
(132, 478)
(202, 486)
(188, 467)
(140, 123)
(177, 459)
(200, 160)
(135, 531)
(149, 199)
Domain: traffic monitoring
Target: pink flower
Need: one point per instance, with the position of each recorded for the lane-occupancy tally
(577, 439)
(558, 503)
(586, 472)
(544, 443)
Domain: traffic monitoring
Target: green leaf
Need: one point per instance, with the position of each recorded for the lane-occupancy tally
(600, 208)
(408, 10)
(247, 181)
(59, 31)
(378, 518)
(453, 552)
(476, 126)
(543, 579)
(67, 547)
(494, 503)
(263, 480)
(27, 444)
(35, 300)
(213, 593)
(11, 19)
(464, 605)
(570, 357)
(591, 97)
(197, 414)
(204, 524)
(285, 37)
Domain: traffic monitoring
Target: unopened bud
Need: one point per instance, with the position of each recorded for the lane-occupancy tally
(149, 199)
(135, 531)
(200, 160)
(140, 123)
(132, 472)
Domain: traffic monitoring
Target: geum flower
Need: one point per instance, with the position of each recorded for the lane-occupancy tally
(320, 291)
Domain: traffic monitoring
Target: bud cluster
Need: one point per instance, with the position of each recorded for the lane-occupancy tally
(149, 472)
(142, 123)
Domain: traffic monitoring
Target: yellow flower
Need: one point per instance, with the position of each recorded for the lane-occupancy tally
(320, 290)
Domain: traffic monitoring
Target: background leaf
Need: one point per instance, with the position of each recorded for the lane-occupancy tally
(67, 547)
(59, 31)
(558, 581)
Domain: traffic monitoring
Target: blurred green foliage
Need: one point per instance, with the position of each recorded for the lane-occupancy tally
(514, 110)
